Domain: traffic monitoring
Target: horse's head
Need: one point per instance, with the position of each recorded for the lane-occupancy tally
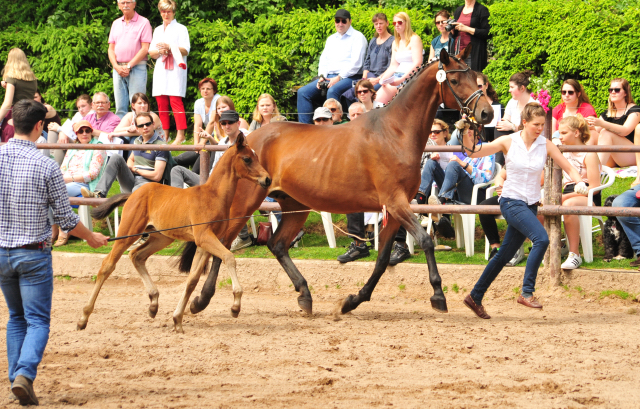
(247, 165)
(459, 88)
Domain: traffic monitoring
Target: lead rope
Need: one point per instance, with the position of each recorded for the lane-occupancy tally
(384, 224)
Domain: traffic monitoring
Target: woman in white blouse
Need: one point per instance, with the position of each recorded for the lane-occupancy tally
(170, 47)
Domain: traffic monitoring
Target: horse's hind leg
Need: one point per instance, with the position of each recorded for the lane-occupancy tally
(197, 267)
(279, 245)
(200, 302)
(408, 220)
(107, 267)
(139, 256)
(385, 239)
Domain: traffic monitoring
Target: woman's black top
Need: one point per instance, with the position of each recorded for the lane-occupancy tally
(620, 121)
(479, 21)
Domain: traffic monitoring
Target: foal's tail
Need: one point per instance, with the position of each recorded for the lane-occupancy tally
(186, 258)
(105, 209)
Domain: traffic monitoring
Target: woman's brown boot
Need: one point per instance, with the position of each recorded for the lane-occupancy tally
(63, 238)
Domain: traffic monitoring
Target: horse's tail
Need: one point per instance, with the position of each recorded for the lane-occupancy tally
(186, 259)
(105, 209)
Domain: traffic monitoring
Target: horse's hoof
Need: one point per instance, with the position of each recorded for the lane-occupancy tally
(306, 304)
(235, 314)
(194, 307)
(81, 326)
(153, 311)
(439, 304)
(347, 304)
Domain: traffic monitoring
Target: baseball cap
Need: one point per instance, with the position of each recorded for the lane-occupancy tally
(321, 112)
(229, 115)
(342, 13)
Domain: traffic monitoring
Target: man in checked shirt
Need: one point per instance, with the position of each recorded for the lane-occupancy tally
(30, 185)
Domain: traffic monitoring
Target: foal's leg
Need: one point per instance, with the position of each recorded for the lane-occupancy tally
(139, 256)
(209, 242)
(197, 267)
(200, 302)
(107, 267)
(408, 220)
(385, 239)
(279, 245)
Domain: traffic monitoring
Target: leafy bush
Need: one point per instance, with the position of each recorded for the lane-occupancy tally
(592, 42)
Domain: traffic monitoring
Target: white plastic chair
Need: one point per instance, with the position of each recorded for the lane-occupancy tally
(465, 224)
(607, 178)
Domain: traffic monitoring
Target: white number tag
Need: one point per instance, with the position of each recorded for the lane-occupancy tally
(441, 76)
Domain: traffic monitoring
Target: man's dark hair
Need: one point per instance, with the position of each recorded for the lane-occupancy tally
(26, 114)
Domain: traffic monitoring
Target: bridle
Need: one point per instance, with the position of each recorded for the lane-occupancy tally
(464, 105)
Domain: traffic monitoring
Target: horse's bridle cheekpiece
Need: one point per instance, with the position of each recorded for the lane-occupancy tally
(441, 77)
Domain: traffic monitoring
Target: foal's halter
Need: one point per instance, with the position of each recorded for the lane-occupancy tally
(464, 105)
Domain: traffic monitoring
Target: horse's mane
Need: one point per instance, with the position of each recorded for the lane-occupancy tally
(414, 74)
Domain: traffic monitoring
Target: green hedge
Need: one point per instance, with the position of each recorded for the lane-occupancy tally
(592, 41)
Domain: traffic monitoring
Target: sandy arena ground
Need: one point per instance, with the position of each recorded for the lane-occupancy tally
(580, 351)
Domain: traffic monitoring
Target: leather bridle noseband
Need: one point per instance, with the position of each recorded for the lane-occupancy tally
(464, 105)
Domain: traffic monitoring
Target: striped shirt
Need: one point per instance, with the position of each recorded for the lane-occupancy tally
(30, 185)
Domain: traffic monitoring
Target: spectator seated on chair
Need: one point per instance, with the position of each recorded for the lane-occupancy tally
(444, 39)
(356, 109)
(63, 133)
(230, 122)
(366, 94)
(574, 130)
(378, 55)
(461, 174)
(322, 116)
(265, 112)
(80, 169)
(141, 167)
(340, 64)
(336, 111)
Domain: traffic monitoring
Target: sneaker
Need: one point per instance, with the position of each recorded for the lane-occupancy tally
(91, 195)
(143, 239)
(399, 254)
(573, 261)
(493, 252)
(354, 252)
(517, 258)
(443, 226)
(239, 243)
(433, 201)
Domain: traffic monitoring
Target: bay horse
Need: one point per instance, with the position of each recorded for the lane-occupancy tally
(360, 166)
(157, 207)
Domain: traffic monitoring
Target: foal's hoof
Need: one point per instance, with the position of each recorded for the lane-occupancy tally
(235, 313)
(348, 305)
(195, 306)
(81, 326)
(306, 304)
(153, 311)
(439, 303)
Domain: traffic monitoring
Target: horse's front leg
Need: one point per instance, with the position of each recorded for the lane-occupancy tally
(197, 267)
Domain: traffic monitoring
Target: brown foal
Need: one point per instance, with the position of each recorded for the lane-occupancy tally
(356, 167)
(156, 207)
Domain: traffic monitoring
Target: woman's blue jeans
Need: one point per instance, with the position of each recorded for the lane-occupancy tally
(26, 278)
(431, 172)
(456, 179)
(523, 224)
(73, 188)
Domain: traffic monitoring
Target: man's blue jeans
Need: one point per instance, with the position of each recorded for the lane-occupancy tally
(310, 92)
(26, 278)
(431, 172)
(522, 224)
(124, 88)
(631, 225)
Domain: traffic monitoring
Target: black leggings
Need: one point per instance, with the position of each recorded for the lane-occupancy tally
(488, 222)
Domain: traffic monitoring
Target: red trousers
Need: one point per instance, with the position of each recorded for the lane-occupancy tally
(178, 111)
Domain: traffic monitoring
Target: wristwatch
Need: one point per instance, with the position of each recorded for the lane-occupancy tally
(128, 66)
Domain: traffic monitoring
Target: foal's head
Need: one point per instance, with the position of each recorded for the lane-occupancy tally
(246, 163)
(463, 81)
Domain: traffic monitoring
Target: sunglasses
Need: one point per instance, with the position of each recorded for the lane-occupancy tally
(84, 130)
(397, 23)
(442, 23)
(614, 90)
(436, 131)
(322, 120)
(143, 125)
(363, 91)
(341, 20)
(567, 92)
(225, 123)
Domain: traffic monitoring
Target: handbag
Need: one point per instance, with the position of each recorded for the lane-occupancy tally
(265, 231)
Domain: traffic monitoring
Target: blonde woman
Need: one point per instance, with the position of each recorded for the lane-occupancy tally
(214, 132)
(406, 55)
(19, 83)
(266, 111)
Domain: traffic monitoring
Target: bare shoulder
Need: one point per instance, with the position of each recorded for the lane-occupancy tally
(416, 40)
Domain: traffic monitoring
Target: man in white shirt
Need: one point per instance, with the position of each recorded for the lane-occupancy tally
(340, 63)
